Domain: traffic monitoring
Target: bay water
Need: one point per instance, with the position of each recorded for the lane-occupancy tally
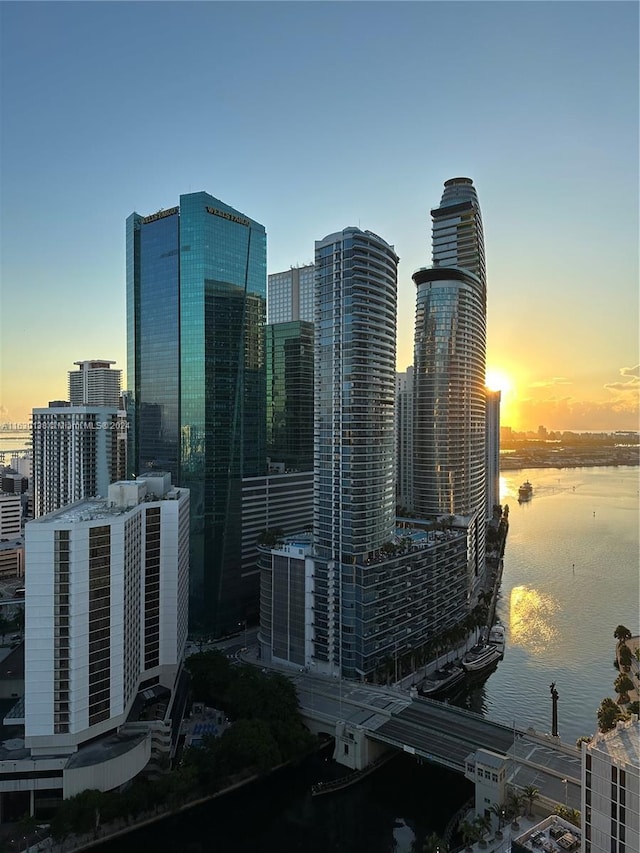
(570, 577)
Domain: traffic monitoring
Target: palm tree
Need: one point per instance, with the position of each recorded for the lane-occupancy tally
(530, 793)
(515, 802)
(499, 810)
(469, 833)
(483, 822)
(434, 844)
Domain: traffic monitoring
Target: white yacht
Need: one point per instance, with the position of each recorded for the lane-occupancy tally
(481, 657)
(496, 638)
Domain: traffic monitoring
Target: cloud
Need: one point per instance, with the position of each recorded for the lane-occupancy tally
(620, 412)
(550, 383)
(632, 384)
(630, 371)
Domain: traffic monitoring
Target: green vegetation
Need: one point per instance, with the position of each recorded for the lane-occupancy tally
(622, 634)
(572, 815)
(531, 794)
(608, 715)
(434, 844)
(625, 656)
(623, 685)
(266, 730)
(583, 739)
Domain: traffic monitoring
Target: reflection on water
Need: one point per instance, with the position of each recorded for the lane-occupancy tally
(531, 619)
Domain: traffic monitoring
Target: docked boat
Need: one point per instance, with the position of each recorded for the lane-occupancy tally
(481, 657)
(525, 491)
(442, 680)
(496, 638)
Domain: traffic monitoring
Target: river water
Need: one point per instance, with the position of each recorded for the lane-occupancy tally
(570, 577)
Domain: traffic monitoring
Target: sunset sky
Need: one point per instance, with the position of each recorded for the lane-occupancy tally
(314, 116)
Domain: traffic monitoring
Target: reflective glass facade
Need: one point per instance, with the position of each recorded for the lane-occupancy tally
(354, 435)
(196, 297)
(449, 370)
(449, 403)
(289, 355)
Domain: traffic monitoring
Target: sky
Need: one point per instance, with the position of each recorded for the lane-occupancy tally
(314, 116)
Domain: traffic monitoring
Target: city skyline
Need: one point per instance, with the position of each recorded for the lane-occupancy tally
(269, 106)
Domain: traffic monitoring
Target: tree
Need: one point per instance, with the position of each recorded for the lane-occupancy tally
(433, 843)
(469, 833)
(500, 811)
(572, 815)
(623, 685)
(531, 793)
(625, 657)
(483, 823)
(608, 715)
(622, 634)
(515, 801)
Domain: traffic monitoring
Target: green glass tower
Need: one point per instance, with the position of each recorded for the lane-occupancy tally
(289, 353)
(196, 296)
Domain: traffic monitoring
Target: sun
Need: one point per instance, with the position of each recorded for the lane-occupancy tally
(496, 380)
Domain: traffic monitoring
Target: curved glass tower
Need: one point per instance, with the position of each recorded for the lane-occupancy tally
(449, 368)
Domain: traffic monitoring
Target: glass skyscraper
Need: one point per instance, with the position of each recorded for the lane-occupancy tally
(354, 455)
(289, 356)
(449, 369)
(196, 297)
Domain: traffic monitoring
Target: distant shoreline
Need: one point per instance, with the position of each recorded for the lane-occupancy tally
(523, 464)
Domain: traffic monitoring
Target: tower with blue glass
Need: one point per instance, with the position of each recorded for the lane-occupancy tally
(196, 297)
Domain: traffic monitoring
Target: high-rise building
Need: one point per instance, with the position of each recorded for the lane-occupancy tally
(74, 454)
(449, 371)
(290, 295)
(610, 790)
(196, 294)
(10, 515)
(94, 384)
(493, 451)
(458, 237)
(354, 488)
(356, 274)
(289, 357)
(370, 588)
(105, 633)
(404, 439)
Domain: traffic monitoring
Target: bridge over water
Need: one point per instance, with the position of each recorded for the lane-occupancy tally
(367, 719)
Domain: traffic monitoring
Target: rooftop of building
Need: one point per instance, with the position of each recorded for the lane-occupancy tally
(621, 744)
(123, 497)
(551, 835)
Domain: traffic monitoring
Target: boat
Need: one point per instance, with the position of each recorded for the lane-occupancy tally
(442, 680)
(481, 657)
(525, 491)
(496, 638)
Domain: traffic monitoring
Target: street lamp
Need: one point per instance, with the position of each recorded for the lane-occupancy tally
(566, 787)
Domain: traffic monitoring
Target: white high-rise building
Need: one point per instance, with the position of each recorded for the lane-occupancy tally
(290, 295)
(610, 801)
(354, 430)
(94, 384)
(75, 454)
(10, 515)
(106, 613)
